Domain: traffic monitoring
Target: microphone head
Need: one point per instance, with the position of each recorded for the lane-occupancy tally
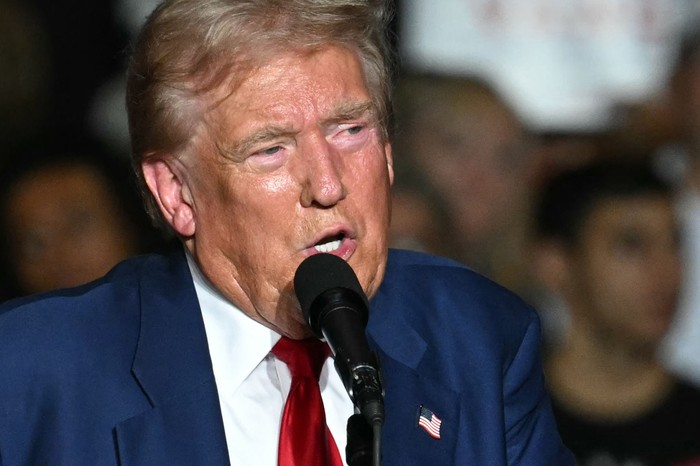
(320, 273)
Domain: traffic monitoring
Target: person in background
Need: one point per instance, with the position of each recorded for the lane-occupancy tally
(608, 245)
(68, 217)
(419, 219)
(260, 134)
(461, 136)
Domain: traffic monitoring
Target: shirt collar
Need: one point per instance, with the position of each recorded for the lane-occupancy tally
(237, 343)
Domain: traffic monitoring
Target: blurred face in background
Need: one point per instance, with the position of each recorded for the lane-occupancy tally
(417, 224)
(623, 276)
(66, 227)
(475, 154)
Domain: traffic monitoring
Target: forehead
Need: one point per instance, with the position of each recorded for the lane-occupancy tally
(294, 83)
(650, 211)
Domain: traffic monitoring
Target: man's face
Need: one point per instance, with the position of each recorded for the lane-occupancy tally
(626, 272)
(298, 166)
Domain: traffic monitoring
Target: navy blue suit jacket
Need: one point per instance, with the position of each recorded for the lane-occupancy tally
(118, 372)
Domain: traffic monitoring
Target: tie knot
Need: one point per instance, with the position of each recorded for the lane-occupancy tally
(304, 358)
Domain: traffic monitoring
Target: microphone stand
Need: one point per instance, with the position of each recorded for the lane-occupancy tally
(377, 430)
(364, 427)
(362, 449)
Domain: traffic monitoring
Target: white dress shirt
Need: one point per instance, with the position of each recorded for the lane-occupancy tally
(253, 384)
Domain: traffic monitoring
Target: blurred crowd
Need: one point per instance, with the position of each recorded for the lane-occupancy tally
(598, 230)
(69, 210)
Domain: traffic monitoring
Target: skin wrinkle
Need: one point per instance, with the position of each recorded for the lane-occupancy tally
(321, 179)
(244, 68)
(346, 111)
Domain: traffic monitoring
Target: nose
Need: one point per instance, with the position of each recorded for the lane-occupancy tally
(322, 183)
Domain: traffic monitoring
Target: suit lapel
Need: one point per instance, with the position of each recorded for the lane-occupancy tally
(173, 367)
(402, 352)
(407, 392)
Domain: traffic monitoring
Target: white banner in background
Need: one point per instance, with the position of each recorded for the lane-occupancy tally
(561, 63)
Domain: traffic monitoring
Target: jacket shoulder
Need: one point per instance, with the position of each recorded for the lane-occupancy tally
(434, 280)
(444, 298)
(46, 330)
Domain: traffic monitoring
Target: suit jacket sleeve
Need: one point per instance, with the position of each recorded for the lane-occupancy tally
(531, 433)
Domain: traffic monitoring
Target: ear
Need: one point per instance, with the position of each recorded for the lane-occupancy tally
(389, 162)
(171, 192)
(551, 265)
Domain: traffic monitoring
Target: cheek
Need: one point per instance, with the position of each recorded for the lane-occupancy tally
(239, 196)
(615, 285)
(377, 201)
(267, 208)
(368, 176)
(278, 186)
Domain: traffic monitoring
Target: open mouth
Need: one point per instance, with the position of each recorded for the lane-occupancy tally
(330, 243)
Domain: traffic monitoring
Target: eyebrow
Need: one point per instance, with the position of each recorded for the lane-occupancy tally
(240, 149)
(350, 110)
(342, 112)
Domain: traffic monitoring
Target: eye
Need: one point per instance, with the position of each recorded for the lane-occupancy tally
(268, 159)
(357, 129)
(631, 244)
(271, 151)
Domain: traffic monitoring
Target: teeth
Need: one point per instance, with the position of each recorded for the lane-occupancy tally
(328, 247)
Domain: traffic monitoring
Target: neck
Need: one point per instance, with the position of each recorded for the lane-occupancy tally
(606, 380)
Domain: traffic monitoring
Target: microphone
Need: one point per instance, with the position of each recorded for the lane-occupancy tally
(336, 308)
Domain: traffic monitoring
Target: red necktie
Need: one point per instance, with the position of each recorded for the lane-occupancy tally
(304, 437)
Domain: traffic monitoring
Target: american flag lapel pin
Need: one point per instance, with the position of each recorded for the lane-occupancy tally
(429, 421)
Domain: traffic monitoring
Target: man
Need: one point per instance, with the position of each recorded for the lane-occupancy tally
(608, 246)
(260, 133)
(469, 145)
